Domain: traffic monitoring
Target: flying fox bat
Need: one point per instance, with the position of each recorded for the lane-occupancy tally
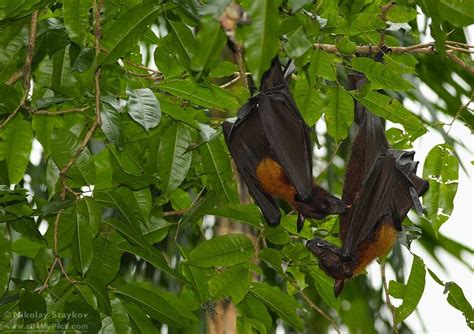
(380, 187)
(270, 145)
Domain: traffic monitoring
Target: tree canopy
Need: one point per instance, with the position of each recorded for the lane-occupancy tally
(120, 209)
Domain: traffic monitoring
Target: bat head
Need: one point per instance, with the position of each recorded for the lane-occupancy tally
(320, 204)
(330, 259)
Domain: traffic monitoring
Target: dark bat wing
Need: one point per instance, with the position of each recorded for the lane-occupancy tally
(286, 131)
(248, 146)
(388, 191)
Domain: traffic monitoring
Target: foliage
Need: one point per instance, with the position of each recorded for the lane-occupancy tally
(119, 218)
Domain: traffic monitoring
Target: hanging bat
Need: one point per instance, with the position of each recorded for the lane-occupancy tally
(380, 187)
(270, 145)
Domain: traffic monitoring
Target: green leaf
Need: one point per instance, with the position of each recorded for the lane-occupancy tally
(412, 291)
(391, 109)
(441, 169)
(160, 305)
(310, 101)
(42, 263)
(138, 318)
(90, 318)
(346, 46)
(401, 13)
(273, 258)
(82, 245)
(245, 213)
(89, 211)
(284, 305)
(459, 13)
(217, 166)
(339, 113)
(105, 262)
(15, 147)
(210, 41)
(173, 159)
(184, 43)
(225, 250)
(144, 108)
(32, 307)
(126, 31)
(457, 299)
(64, 146)
(26, 247)
(6, 258)
(76, 19)
(253, 308)
(111, 124)
(324, 286)
(234, 282)
(323, 65)
(297, 44)
(223, 69)
(380, 75)
(261, 41)
(211, 96)
(120, 318)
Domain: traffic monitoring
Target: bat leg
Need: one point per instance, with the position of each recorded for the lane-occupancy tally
(338, 287)
(299, 223)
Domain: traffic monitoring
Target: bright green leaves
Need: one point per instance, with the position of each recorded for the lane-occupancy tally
(183, 41)
(380, 75)
(339, 112)
(459, 13)
(297, 44)
(261, 41)
(173, 159)
(283, 304)
(64, 145)
(211, 96)
(144, 108)
(226, 250)
(158, 304)
(210, 41)
(76, 19)
(391, 109)
(15, 146)
(233, 282)
(411, 292)
(310, 101)
(441, 170)
(126, 31)
(6, 259)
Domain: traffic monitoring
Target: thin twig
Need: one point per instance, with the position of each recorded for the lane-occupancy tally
(317, 309)
(459, 112)
(14, 78)
(56, 113)
(231, 82)
(426, 48)
(26, 72)
(329, 163)
(240, 62)
(174, 213)
(383, 16)
(387, 297)
(142, 67)
(460, 62)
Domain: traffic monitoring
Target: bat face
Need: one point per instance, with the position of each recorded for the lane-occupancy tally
(330, 259)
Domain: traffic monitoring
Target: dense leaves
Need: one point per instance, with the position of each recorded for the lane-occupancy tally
(120, 207)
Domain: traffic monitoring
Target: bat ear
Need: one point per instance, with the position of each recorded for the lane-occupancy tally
(273, 77)
(338, 287)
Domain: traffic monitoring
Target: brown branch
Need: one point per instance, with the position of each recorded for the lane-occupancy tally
(383, 16)
(240, 62)
(426, 48)
(26, 72)
(14, 78)
(317, 309)
(231, 82)
(460, 62)
(392, 308)
(55, 113)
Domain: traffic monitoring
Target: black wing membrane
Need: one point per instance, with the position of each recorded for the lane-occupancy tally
(390, 186)
(247, 145)
(286, 131)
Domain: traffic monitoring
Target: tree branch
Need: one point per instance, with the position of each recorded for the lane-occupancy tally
(26, 72)
(387, 297)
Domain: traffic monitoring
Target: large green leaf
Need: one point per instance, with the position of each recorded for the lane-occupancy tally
(139, 319)
(211, 96)
(224, 250)
(380, 75)
(339, 112)
(76, 19)
(173, 159)
(441, 169)
(217, 166)
(459, 13)
(252, 307)
(111, 124)
(261, 41)
(126, 31)
(106, 260)
(120, 318)
(245, 213)
(210, 41)
(158, 304)
(284, 305)
(64, 145)
(32, 306)
(310, 101)
(82, 245)
(15, 147)
(410, 293)
(391, 109)
(144, 108)
(6, 259)
(184, 42)
(233, 282)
